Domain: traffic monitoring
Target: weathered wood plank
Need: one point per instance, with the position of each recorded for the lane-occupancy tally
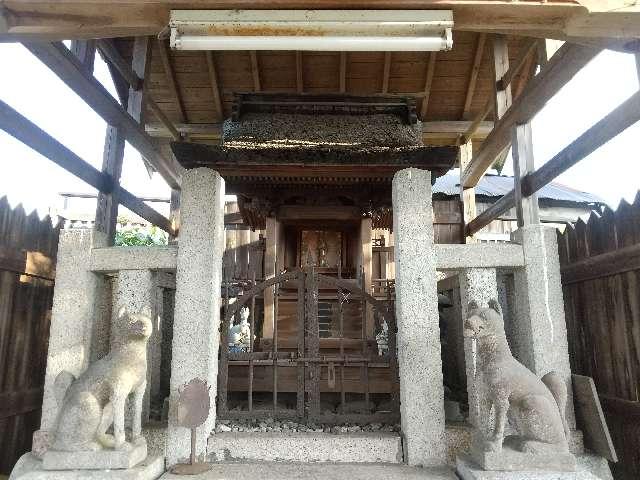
(21, 402)
(606, 264)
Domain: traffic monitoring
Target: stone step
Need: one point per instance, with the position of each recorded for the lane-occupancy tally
(318, 471)
(362, 447)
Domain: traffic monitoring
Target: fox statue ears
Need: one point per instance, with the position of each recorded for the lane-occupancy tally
(493, 305)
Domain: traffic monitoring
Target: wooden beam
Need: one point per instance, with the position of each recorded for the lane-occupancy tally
(343, 72)
(526, 206)
(431, 67)
(140, 59)
(603, 265)
(600, 133)
(477, 123)
(85, 52)
(540, 89)
(31, 135)
(529, 71)
(500, 67)
(255, 70)
(473, 75)
(525, 53)
(468, 195)
(215, 88)
(111, 54)
(168, 124)
(385, 72)
(432, 130)
(299, 76)
(171, 79)
(107, 202)
(62, 62)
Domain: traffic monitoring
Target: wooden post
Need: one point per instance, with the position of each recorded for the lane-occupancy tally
(270, 255)
(500, 67)
(367, 266)
(107, 204)
(85, 51)
(526, 207)
(467, 195)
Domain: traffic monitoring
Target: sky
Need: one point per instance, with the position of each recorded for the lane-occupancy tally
(612, 172)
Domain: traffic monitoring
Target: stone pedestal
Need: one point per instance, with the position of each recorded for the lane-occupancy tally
(477, 284)
(466, 469)
(196, 324)
(420, 364)
(73, 316)
(539, 323)
(29, 467)
(99, 460)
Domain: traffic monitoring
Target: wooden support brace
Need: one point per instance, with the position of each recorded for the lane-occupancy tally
(431, 67)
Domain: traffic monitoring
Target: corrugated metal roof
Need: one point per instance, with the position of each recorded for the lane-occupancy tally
(499, 185)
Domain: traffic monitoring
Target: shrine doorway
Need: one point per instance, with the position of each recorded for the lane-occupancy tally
(321, 367)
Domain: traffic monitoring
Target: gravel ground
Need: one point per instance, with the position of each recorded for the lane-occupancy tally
(271, 425)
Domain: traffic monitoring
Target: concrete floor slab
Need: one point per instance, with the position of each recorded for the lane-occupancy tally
(318, 471)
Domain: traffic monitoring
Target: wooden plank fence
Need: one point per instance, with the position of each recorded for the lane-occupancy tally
(28, 248)
(600, 266)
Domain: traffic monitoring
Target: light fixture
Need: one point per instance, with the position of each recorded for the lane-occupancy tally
(319, 30)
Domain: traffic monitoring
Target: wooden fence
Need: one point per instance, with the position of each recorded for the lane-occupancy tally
(28, 248)
(600, 265)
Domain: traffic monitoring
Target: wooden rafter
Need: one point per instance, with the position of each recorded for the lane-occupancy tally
(63, 63)
(473, 75)
(431, 67)
(299, 76)
(525, 53)
(343, 72)
(215, 87)
(385, 72)
(255, 70)
(552, 77)
(171, 79)
(112, 56)
(31, 135)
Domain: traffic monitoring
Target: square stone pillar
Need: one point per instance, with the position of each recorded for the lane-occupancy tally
(196, 335)
(539, 322)
(477, 284)
(136, 291)
(420, 364)
(73, 315)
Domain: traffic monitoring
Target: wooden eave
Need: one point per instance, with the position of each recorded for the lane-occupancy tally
(564, 19)
(327, 165)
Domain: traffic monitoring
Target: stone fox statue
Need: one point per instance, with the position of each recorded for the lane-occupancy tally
(535, 406)
(91, 403)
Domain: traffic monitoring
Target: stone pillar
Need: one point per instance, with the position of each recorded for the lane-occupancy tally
(136, 291)
(539, 322)
(196, 324)
(477, 284)
(73, 315)
(420, 364)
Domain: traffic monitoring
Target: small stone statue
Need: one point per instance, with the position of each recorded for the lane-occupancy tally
(535, 405)
(240, 335)
(95, 400)
(382, 338)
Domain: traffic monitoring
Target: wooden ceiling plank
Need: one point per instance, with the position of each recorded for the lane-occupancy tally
(64, 64)
(215, 86)
(343, 72)
(255, 70)
(171, 78)
(561, 68)
(385, 72)
(299, 77)
(473, 75)
(431, 67)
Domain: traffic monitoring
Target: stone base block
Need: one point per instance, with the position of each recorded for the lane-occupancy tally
(30, 468)
(369, 447)
(98, 460)
(468, 470)
(513, 460)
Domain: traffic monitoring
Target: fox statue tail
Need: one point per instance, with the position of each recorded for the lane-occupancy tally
(558, 389)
